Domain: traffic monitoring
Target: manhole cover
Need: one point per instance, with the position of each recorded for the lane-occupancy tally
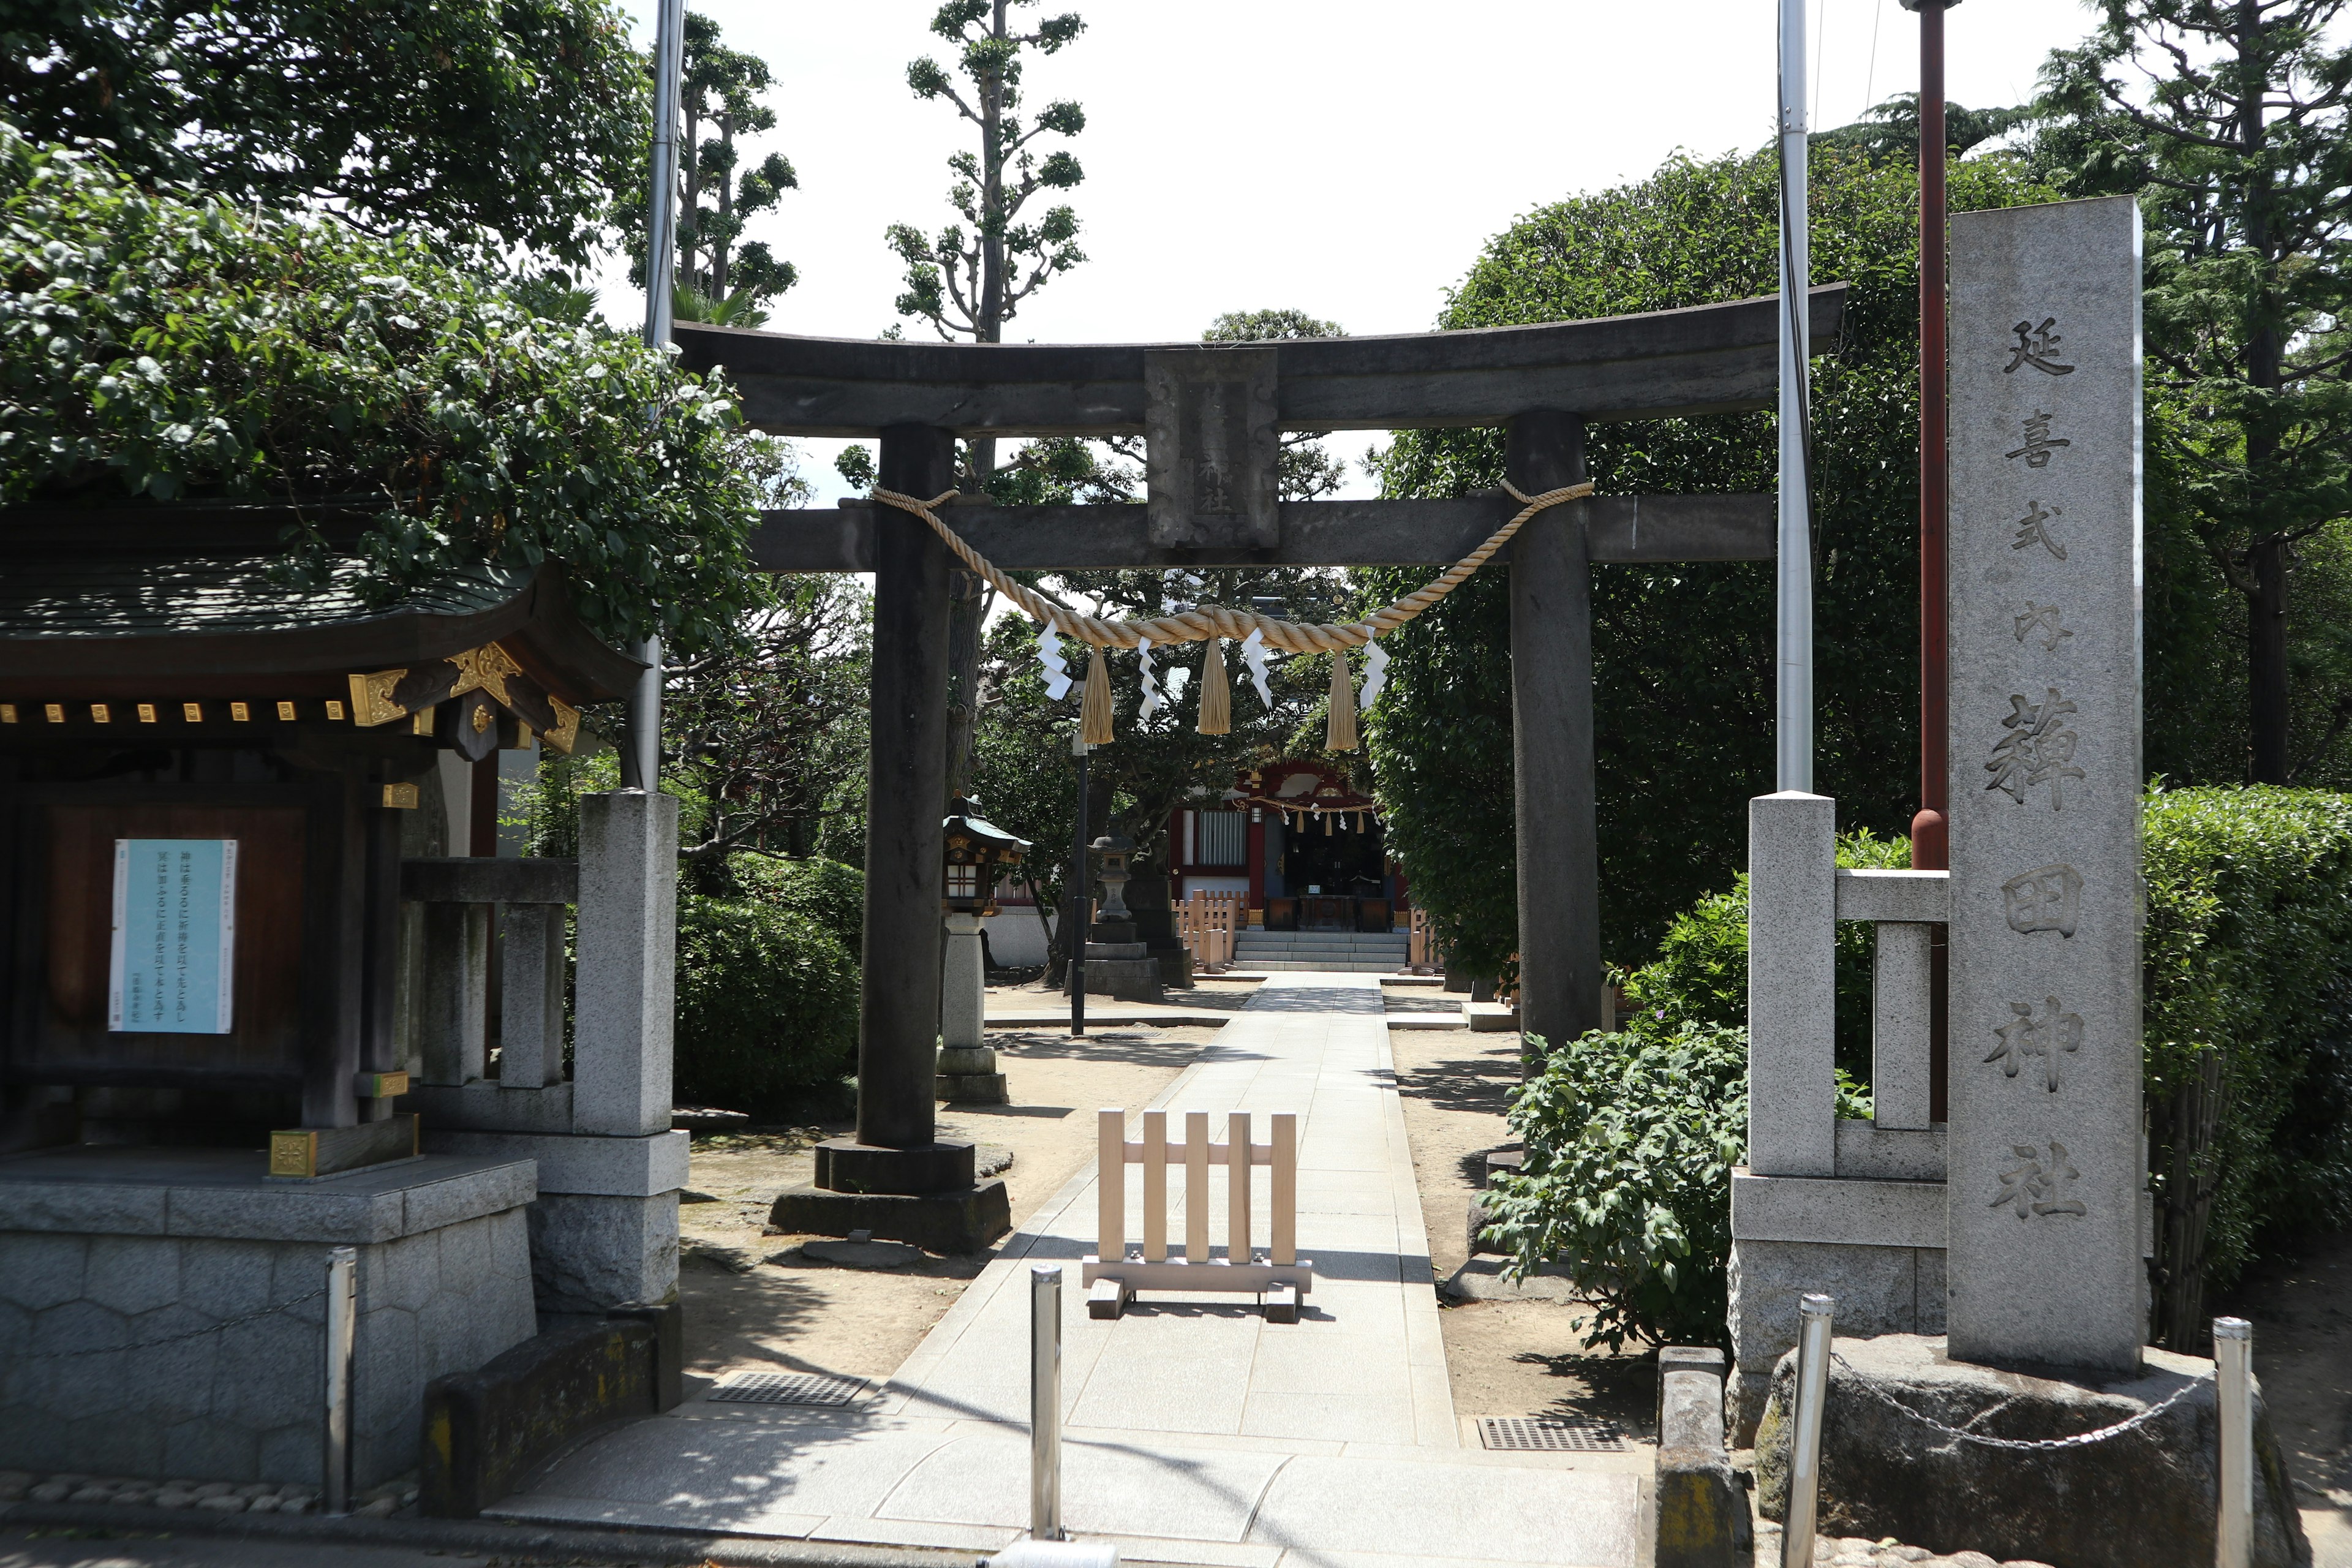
(1550, 1434)
(787, 1388)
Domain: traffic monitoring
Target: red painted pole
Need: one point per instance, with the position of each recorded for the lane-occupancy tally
(1930, 840)
(1930, 830)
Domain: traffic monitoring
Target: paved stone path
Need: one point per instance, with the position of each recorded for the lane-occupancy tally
(1195, 1431)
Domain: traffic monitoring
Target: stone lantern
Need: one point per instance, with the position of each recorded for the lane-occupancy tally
(977, 853)
(1119, 962)
(1111, 852)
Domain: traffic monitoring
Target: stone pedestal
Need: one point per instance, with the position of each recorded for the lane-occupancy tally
(1119, 963)
(2143, 1499)
(925, 1195)
(119, 1251)
(967, 1068)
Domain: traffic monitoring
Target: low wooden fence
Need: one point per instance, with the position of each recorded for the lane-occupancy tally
(1422, 946)
(1114, 1272)
(1207, 922)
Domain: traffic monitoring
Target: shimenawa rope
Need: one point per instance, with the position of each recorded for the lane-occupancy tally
(1216, 621)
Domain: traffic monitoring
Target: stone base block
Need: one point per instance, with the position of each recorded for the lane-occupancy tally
(970, 1089)
(846, 1165)
(1175, 961)
(1879, 1290)
(591, 1253)
(2144, 1499)
(161, 1310)
(485, 1431)
(962, 1221)
(1702, 1507)
(1126, 979)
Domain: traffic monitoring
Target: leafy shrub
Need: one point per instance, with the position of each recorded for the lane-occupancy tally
(1700, 975)
(826, 892)
(1631, 1137)
(1630, 1142)
(166, 344)
(2249, 962)
(767, 1005)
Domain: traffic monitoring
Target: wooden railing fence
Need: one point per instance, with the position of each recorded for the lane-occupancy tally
(1114, 1272)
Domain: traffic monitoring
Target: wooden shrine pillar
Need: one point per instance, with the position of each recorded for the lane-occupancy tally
(906, 798)
(1551, 726)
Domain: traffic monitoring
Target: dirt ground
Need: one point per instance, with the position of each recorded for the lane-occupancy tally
(753, 1302)
(1505, 1358)
(2303, 1354)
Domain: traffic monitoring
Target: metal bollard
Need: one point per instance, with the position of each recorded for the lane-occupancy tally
(1045, 1401)
(1815, 1313)
(2233, 1390)
(343, 1336)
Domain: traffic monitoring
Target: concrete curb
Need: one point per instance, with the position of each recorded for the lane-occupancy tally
(614, 1545)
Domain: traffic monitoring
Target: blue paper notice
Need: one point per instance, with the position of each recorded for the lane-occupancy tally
(175, 935)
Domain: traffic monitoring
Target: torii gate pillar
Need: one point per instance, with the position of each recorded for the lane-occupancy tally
(1551, 729)
(896, 1177)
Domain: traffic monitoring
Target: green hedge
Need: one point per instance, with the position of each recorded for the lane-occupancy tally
(2249, 956)
(767, 1006)
(1631, 1137)
(826, 892)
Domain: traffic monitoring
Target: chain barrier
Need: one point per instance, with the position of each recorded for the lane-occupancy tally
(222, 1327)
(2034, 1444)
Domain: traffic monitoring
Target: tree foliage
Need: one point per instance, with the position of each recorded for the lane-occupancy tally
(771, 730)
(720, 278)
(2232, 120)
(167, 344)
(1681, 653)
(498, 123)
(972, 280)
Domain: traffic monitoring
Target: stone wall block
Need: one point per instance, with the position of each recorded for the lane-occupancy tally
(38, 1271)
(175, 1379)
(75, 1326)
(465, 1251)
(228, 1276)
(404, 1274)
(219, 1449)
(132, 1274)
(588, 1253)
(290, 1454)
(268, 1374)
(113, 1446)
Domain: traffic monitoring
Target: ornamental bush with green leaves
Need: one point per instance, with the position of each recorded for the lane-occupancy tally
(767, 1007)
(166, 345)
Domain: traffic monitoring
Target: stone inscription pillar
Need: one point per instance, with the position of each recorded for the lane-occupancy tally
(1551, 745)
(2044, 554)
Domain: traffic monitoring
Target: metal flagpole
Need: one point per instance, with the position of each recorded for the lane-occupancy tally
(641, 756)
(1795, 730)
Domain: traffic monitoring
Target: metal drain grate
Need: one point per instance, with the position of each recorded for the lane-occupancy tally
(787, 1388)
(1550, 1434)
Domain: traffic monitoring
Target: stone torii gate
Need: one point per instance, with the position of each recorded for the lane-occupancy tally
(1213, 415)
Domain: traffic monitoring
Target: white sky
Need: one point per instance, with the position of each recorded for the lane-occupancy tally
(1344, 157)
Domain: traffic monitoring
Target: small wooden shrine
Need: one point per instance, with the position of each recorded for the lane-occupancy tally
(205, 771)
